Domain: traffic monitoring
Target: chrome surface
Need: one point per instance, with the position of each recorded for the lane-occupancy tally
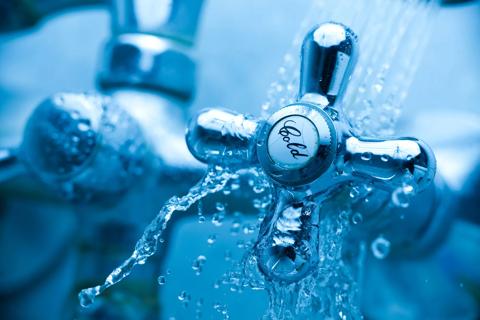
(150, 46)
(217, 135)
(293, 152)
(176, 19)
(147, 61)
(329, 53)
(162, 119)
(84, 145)
(288, 248)
(298, 154)
(308, 149)
(387, 160)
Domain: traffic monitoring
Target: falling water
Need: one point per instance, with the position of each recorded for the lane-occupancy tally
(215, 180)
(391, 34)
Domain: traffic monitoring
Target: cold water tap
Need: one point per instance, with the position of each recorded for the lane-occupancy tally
(146, 79)
(309, 152)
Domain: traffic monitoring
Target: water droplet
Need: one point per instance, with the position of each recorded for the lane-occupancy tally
(366, 156)
(357, 218)
(258, 189)
(82, 126)
(182, 296)
(344, 215)
(354, 192)
(197, 264)
(240, 244)
(228, 255)
(220, 206)
(235, 185)
(211, 239)
(400, 198)
(248, 228)
(377, 87)
(385, 158)
(87, 296)
(161, 280)
(380, 247)
(217, 219)
(235, 229)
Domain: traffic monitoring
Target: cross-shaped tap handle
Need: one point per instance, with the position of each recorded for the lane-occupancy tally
(307, 148)
(309, 142)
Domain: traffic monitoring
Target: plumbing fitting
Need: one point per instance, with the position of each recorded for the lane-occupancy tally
(147, 67)
(308, 150)
(150, 46)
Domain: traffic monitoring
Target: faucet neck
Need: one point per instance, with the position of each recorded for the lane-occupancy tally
(150, 46)
(172, 19)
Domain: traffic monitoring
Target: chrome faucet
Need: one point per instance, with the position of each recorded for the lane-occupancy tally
(309, 151)
(147, 70)
(147, 67)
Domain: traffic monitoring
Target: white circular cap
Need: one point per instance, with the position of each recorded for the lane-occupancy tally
(293, 141)
(297, 144)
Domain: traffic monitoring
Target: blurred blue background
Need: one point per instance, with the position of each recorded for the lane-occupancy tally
(239, 48)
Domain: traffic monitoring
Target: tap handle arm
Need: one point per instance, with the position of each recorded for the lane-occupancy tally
(329, 54)
(390, 162)
(220, 136)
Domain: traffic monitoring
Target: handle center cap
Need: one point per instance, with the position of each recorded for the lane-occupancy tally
(297, 144)
(293, 141)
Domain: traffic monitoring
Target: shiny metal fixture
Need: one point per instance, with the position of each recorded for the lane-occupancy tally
(82, 146)
(150, 46)
(307, 148)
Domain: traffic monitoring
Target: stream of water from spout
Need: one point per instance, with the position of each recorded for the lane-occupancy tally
(214, 180)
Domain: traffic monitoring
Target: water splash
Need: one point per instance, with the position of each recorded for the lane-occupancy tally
(215, 180)
(331, 292)
(380, 247)
(392, 35)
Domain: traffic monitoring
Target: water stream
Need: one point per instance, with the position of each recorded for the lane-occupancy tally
(214, 180)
